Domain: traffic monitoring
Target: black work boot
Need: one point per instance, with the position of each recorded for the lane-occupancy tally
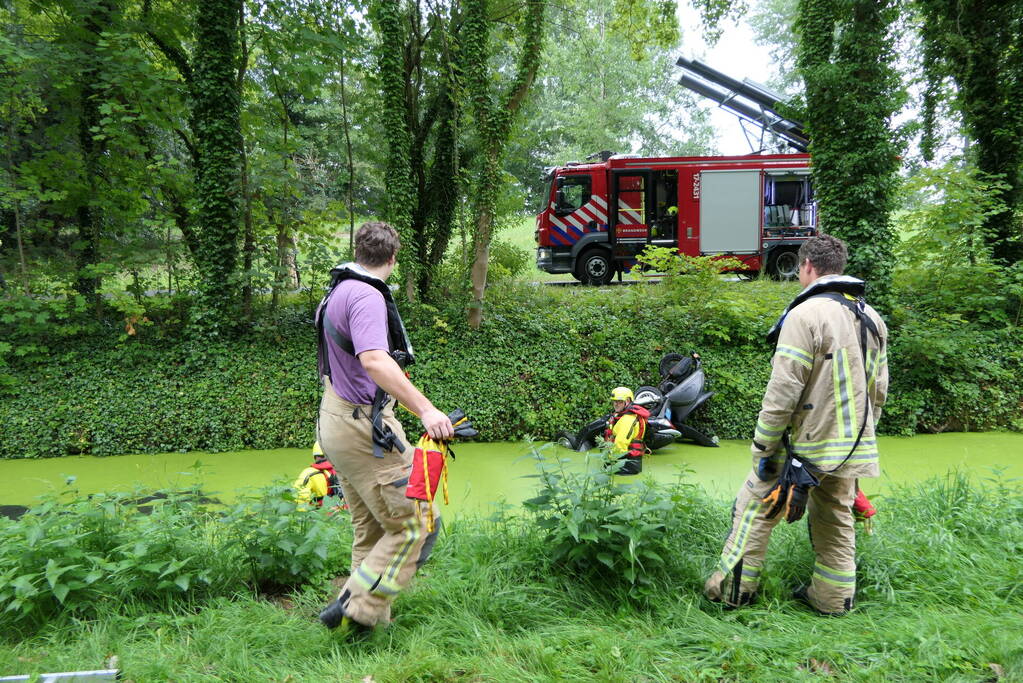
(333, 614)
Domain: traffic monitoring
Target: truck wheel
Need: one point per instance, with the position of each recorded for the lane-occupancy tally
(594, 267)
(784, 264)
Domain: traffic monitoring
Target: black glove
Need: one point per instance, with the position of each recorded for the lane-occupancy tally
(791, 492)
(463, 427)
(767, 468)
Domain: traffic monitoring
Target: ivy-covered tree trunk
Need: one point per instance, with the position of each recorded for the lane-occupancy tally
(494, 115)
(389, 19)
(443, 186)
(95, 21)
(418, 65)
(216, 116)
(980, 44)
(852, 90)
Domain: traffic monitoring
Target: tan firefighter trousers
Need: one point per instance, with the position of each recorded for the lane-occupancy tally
(389, 536)
(832, 534)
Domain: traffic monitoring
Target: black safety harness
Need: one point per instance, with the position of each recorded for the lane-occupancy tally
(400, 349)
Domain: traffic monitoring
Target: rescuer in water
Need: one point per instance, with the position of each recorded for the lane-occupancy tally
(625, 431)
(317, 481)
(814, 435)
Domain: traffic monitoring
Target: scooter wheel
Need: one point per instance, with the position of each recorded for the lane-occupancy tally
(668, 361)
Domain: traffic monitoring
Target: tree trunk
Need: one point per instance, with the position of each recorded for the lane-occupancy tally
(12, 143)
(494, 116)
(249, 239)
(285, 271)
(487, 192)
(350, 194)
(216, 107)
(94, 23)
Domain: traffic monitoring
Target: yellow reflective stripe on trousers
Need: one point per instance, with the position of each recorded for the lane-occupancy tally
(749, 573)
(835, 577)
(801, 356)
(386, 583)
(412, 533)
(731, 558)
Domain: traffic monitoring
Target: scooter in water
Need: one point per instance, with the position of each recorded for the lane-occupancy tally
(680, 392)
(671, 402)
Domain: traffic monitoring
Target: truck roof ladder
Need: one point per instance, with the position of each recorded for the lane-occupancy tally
(747, 100)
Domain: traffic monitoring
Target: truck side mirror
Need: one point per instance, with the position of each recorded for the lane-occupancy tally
(559, 199)
(559, 182)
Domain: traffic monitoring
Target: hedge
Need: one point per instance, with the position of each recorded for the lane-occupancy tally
(543, 361)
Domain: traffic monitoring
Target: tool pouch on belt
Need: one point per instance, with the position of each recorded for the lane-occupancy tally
(792, 490)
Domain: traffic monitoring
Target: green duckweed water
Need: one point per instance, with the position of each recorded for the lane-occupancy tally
(485, 473)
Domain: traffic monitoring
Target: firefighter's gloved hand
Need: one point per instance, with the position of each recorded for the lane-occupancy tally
(767, 468)
(791, 492)
(796, 506)
(776, 499)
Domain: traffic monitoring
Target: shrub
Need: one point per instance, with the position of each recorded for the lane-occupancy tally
(506, 261)
(284, 545)
(80, 555)
(604, 530)
(74, 554)
(542, 362)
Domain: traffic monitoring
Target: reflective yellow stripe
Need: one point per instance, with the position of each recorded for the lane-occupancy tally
(732, 557)
(801, 356)
(766, 434)
(834, 577)
(412, 533)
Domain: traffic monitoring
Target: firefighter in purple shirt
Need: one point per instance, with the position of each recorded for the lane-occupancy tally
(363, 350)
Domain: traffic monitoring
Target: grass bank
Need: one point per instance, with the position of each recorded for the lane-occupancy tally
(940, 598)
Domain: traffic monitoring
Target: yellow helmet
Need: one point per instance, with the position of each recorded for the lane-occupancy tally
(316, 448)
(621, 394)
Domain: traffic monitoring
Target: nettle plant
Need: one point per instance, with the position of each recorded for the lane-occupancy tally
(75, 553)
(284, 545)
(598, 527)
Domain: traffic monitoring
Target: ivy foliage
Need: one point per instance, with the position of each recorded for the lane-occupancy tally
(542, 362)
(846, 58)
(216, 112)
(979, 46)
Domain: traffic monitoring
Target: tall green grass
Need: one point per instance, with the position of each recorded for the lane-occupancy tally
(940, 599)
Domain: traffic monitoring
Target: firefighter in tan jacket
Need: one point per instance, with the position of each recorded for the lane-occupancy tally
(829, 380)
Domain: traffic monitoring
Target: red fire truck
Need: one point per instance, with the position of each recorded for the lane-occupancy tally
(756, 208)
(598, 216)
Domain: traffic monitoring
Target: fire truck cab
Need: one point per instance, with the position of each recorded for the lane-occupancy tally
(599, 216)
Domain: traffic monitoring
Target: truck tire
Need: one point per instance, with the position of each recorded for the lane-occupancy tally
(783, 264)
(594, 267)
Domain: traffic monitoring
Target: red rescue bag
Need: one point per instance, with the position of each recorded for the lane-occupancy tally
(863, 510)
(429, 472)
(430, 466)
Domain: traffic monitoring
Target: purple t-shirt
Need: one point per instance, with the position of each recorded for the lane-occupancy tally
(359, 312)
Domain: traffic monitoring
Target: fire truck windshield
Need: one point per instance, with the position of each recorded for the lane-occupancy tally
(545, 197)
(573, 192)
